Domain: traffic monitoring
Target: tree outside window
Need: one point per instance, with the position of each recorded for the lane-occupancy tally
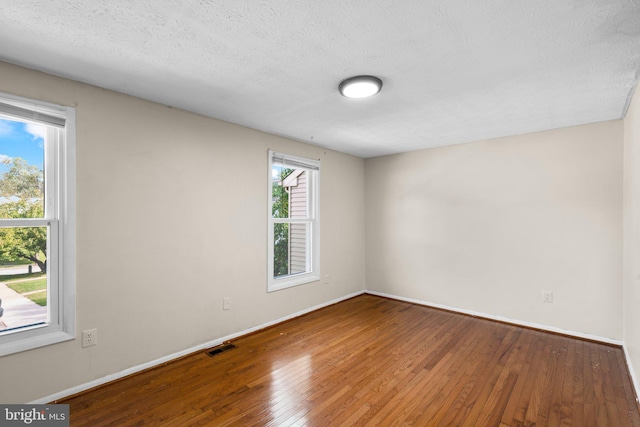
(22, 193)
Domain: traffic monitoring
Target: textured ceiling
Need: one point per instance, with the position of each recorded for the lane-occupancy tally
(453, 72)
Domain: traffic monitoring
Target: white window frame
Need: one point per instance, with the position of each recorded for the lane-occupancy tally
(313, 219)
(59, 218)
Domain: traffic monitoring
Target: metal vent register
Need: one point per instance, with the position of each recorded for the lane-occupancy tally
(220, 349)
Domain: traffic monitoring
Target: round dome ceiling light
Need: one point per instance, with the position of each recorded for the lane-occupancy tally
(360, 86)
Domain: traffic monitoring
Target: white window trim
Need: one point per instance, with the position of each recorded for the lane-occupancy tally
(276, 284)
(60, 219)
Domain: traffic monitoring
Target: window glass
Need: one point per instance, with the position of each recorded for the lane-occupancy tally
(21, 169)
(23, 250)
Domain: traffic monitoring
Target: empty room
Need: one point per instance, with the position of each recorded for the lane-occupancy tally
(330, 213)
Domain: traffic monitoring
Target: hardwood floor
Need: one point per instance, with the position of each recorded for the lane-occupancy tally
(371, 361)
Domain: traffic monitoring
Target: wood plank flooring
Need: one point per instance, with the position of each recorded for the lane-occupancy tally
(371, 361)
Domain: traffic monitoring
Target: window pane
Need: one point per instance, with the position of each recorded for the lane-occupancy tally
(23, 278)
(289, 193)
(21, 169)
(291, 242)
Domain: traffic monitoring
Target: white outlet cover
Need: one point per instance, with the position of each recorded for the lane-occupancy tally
(89, 337)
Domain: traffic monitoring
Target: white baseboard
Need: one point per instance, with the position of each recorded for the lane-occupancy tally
(632, 373)
(138, 368)
(501, 319)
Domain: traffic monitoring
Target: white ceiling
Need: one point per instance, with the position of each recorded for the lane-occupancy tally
(453, 71)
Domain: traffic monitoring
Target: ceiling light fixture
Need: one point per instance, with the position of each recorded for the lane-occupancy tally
(360, 86)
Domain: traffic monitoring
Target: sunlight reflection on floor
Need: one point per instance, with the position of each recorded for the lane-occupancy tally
(289, 386)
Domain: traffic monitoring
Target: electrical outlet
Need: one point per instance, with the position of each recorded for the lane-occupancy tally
(547, 296)
(89, 337)
(226, 303)
(327, 279)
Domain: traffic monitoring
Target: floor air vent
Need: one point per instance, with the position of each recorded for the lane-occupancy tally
(221, 348)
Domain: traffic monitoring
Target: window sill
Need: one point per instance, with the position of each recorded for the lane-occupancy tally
(40, 339)
(291, 281)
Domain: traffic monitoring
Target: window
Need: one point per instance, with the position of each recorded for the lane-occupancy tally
(294, 227)
(37, 224)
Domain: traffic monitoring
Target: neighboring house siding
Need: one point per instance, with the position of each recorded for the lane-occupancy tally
(298, 232)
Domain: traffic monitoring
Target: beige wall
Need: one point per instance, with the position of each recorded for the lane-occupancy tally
(631, 293)
(486, 226)
(171, 218)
